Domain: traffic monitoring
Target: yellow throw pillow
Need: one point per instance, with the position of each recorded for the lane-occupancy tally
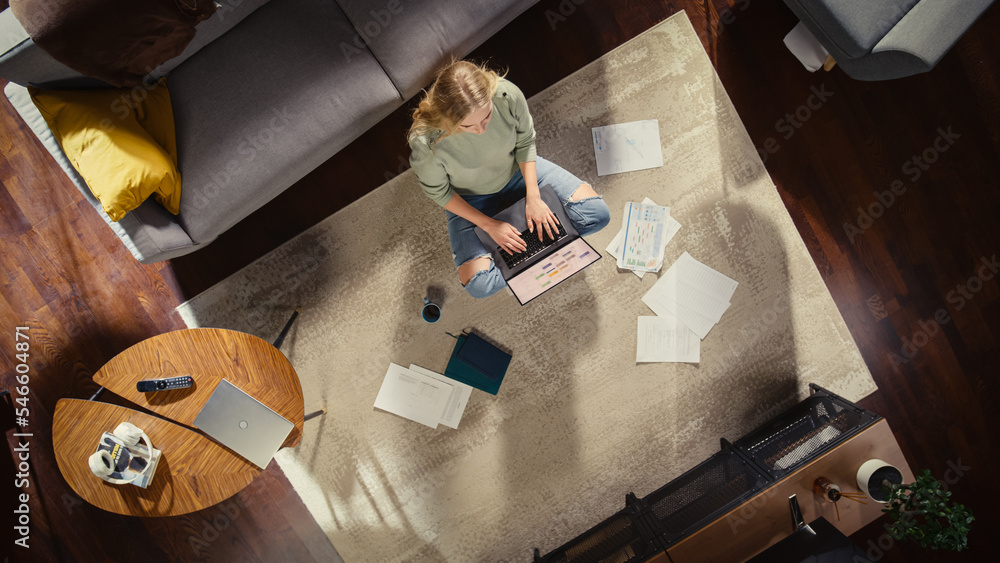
(122, 141)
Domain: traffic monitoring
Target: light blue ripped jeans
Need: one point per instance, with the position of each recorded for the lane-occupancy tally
(588, 215)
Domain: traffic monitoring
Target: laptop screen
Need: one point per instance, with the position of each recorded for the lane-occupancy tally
(547, 273)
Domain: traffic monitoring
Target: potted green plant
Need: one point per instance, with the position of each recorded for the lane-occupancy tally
(923, 512)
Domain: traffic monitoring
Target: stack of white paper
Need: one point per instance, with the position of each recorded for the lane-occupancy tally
(644, 227)
(455, 407)
(693, 293)
(671, 226)
(423, 396)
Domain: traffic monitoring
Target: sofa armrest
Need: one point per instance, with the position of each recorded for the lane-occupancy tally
(12, 33)
(929, 30)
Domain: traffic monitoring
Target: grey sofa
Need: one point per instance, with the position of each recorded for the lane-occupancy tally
(886, 39)
(265, 93)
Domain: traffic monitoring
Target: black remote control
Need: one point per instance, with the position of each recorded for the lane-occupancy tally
(165, 384)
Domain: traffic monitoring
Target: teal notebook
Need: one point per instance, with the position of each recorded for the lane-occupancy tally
(478, 363)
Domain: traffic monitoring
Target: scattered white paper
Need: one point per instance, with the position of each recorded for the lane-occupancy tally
(705, 279)
(456, 403)
(664, 339)
(698, 323)
(627, 146)
(688, 294)
(672, 227)
(692, 292)
(413, 395)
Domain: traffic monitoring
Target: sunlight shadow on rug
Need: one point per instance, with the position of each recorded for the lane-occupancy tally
(577, 423)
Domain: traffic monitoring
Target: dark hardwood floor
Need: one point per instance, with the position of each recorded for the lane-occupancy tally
(912, 278)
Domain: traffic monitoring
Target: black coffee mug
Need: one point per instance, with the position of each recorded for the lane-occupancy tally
(431, 312)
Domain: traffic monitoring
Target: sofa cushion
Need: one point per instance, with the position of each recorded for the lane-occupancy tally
(22, 62)
(124, 148)
(117, 41)
(852, 27)
(25, 63)
(412, 39)
(261, 109)
(150, 233)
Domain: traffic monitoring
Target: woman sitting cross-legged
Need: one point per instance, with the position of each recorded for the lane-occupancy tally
(473, 150)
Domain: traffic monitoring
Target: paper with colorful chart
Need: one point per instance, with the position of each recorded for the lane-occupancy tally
(614, 248)
(645, 231)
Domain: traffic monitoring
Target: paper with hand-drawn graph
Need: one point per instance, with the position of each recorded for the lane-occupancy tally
(627, 146)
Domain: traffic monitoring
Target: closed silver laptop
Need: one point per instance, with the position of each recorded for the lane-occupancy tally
(243, 424)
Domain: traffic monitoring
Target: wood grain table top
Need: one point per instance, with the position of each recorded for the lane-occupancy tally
(193, 473)
(209, 355)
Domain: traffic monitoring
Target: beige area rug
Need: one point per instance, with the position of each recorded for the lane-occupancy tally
(577, 423)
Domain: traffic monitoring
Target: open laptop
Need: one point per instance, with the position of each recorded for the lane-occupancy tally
(243, 424)
(530, 276)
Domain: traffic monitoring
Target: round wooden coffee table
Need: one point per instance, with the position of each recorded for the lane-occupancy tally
(194, 471)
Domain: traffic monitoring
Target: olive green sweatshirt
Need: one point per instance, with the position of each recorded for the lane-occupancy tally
(470, 164)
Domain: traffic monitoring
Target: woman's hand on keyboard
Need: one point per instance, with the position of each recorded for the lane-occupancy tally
(506, 236)
(540, 218)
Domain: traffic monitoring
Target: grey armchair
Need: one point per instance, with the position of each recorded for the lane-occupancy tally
(886, 39)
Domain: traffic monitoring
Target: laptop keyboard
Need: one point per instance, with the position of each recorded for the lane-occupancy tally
(534, 246)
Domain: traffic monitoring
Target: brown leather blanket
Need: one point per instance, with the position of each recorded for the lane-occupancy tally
(117, 41)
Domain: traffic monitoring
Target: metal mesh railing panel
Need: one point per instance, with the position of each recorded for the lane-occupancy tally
(703, 494)
(803, 432)
(616, 540)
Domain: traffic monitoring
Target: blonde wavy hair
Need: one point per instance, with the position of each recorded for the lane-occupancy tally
(459, 90)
